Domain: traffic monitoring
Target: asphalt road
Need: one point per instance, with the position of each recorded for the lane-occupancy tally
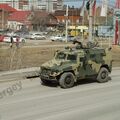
(29, 100)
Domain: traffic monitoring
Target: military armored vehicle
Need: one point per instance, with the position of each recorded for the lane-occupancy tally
(77, 63)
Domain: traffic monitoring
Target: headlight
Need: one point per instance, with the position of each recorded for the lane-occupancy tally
(55, 73)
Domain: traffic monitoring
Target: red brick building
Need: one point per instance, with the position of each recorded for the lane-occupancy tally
(19, 19)
(5, 11)
(73, 16)
(41, 20)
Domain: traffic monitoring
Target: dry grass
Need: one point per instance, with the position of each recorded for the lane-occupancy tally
(35, 56)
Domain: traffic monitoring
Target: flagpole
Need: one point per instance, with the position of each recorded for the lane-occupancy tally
(66, 35)
(82, 29)
(83, 25)
(2, 18)
(90, 22)
(107, 17)
(82, 14)
(94, 13)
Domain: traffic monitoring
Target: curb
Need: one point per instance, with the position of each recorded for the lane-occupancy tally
(19, 74)
(24, 73)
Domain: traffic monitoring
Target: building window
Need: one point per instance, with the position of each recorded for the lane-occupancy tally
(69, 21)
(77, 21)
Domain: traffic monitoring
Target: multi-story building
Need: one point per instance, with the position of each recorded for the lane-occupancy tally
(46, 5)
(23, 4)
(12, 3)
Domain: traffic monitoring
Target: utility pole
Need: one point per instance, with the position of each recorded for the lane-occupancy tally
(2, 18)
(66, 35)
(33, 5)
(90, 21)
(13, 3)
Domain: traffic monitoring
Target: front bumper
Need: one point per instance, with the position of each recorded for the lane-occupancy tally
(49, 78)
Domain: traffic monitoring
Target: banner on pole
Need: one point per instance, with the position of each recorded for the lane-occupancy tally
(117, 5)
(82, 8)
(94, 8)
(116, 32)
(104, 8)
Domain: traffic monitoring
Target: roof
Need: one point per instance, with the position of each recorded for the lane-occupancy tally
(41, 13)
(8, 8)
(71, 12)
(19, 16)
(45, 17)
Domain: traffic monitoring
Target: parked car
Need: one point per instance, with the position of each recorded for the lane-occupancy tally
(70, 38)
(56, 38)
(36, 36)
(1, 38)
(7, 38)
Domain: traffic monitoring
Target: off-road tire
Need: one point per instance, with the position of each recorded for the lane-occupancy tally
(103, 75)
(67, 80)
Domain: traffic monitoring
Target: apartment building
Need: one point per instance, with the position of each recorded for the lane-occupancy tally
(45, 5)
(12, 3)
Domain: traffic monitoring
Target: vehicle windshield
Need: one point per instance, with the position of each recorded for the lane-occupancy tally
(71, 57)
(60, 55)
(66, 56)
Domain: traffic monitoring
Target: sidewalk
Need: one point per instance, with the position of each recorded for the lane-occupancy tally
(23, 74)
(19, 74)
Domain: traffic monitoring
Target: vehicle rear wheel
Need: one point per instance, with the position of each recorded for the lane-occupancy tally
(103, 75)
(67, 80)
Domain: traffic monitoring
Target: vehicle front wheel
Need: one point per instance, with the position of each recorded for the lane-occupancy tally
(103, 75)
(67, 80)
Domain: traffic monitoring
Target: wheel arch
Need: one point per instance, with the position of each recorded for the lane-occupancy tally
(106, 66)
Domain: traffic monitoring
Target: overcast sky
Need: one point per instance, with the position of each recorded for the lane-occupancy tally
(79, 3)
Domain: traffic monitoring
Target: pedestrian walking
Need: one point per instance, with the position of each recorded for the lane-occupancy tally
(17, 42)
(11, 41)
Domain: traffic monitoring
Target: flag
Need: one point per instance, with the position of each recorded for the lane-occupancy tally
(93, 3)
(116, 32)
(104, 8)
(117, 5)
(82, 9)
(94, 8)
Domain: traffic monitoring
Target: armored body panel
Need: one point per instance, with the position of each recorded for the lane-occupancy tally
(73, 64)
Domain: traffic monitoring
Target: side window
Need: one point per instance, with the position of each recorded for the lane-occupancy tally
(82, 59)
(71, 57)
(96, 57)
(103, 54)
(93, 57)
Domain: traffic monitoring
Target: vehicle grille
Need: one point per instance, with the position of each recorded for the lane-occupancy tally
(45, 71)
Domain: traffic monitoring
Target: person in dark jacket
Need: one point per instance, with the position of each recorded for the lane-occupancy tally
(17, 41)
(11, 41)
